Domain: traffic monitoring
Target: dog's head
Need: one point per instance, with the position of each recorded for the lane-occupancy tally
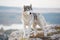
(27, 8)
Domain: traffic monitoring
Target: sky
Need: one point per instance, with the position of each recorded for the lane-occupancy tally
(35, 3)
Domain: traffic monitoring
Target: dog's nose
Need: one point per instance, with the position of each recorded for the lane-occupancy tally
(30, 12)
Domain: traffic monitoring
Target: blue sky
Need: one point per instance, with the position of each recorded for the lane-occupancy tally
(35, 3)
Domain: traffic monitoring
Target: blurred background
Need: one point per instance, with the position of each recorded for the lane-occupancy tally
(11, 11)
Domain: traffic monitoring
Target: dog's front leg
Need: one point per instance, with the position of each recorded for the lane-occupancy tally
(29, 29)
(25, 31)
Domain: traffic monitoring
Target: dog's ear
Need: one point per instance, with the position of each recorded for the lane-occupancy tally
(31, 6)
(24, 7)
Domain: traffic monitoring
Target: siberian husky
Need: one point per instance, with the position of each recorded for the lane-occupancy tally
(31, 18)
(27, 19)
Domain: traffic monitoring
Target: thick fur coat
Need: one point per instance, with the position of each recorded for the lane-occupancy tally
(32, 19)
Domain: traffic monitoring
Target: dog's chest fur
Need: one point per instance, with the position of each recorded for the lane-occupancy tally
(27, 18)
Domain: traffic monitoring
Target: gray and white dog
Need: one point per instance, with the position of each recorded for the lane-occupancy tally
(31, 19)
(27, 19)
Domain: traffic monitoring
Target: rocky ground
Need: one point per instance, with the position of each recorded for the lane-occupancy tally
(53, 33)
